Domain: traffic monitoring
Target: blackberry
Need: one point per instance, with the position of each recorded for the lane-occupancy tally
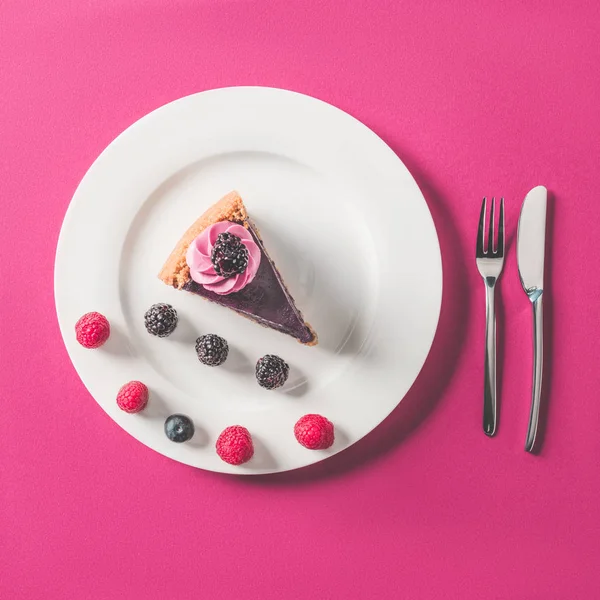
(271, 371)
(179, 428)
(161, 319)
(212, 350)
(229, 255)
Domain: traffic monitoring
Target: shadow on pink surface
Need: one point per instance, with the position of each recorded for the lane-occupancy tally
(425, 394)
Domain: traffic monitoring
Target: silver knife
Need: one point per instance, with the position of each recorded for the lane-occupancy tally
(531, 241)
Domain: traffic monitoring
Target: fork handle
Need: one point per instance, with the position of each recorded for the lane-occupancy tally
(489, 386)
(538, 362)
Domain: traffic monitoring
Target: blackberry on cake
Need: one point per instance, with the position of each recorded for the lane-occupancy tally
(229, 255)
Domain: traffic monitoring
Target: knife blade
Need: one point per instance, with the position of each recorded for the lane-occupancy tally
(531, 240)
(531, 245)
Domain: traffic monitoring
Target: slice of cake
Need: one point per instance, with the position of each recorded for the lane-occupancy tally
(222, 258)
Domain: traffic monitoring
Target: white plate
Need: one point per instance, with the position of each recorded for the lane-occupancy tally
(346, 224)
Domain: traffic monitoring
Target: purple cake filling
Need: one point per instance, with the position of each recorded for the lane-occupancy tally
(264, 300)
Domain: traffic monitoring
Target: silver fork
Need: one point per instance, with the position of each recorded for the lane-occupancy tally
(490, 263)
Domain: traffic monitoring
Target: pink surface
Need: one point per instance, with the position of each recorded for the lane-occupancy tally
(477, 98)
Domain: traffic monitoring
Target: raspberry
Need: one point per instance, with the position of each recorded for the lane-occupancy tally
(132, 397)
(271, 371)
(314, 432)
(234, 445)
(92, 330)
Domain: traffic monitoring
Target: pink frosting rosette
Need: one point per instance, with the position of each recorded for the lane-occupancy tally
(203, 272)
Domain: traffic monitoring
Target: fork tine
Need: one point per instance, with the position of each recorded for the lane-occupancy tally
(480, 229)
(501, 229)
(490, 244)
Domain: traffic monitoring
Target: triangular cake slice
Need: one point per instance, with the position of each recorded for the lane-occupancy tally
(256, 290)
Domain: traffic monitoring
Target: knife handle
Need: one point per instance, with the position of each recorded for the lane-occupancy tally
(538, 363)
(489, 384)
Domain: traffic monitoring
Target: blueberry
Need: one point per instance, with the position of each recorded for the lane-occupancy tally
(179, 428)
